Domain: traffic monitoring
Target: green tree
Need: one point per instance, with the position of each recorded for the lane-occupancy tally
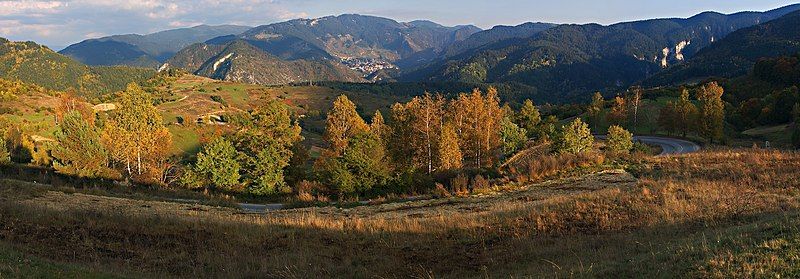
(595, 108)
(79, 150)
(668, 118)
(512, 136)
(685, 113)
(361, 167)
(266, 147)
(529, 117)
(575, 138)
(217, 167)
(712, 111)
(619, 140)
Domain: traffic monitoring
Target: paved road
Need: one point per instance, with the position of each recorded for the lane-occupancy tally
(670, 146)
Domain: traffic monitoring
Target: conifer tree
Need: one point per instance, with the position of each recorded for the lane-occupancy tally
(79, 150)
(575, 138)
(529, 117)
(619, 140)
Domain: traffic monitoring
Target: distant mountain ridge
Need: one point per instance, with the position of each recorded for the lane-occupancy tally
(571, 60)
(340, 48)
(737, 53)
(36, 64)
(144, 50)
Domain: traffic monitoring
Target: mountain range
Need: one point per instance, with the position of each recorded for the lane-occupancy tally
(553, 62)
(36, 64)
(144, 50)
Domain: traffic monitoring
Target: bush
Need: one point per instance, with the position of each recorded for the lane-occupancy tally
(460, 184)
(440, 191)
(550, 165)
(479, 183)
(619, 140)
(575, 138)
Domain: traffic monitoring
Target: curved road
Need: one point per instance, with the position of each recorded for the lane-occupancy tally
(669, 146)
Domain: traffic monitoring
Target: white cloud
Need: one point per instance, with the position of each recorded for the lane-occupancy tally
(68, 21)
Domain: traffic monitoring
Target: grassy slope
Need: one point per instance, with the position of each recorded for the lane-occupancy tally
(192, 97)
(14, 264)
(696, 215)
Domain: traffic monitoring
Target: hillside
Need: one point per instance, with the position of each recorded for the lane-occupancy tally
(578, 59)
(737, 53)
(357, 36)
(144, 50)
(243, 62)
(324, 49)
(37, 64)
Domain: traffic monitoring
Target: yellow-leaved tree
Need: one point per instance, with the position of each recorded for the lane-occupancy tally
(136, 138)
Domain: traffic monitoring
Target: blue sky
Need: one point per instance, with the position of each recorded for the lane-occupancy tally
(62, 22)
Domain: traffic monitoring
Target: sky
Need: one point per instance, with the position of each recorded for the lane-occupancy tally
(63, 22)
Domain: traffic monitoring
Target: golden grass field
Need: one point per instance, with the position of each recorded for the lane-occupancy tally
(718, 213)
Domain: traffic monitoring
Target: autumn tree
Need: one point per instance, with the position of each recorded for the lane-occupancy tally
(796, 132)
(635, 96)
(79, 150)
(449, 152)
(529, 117)
(619, 112)
(216, 167)
(619, 140)
(265, 148)
(70, 101)
(136, 137)
(575, 138)
(478, 121)
(343, 123)
(685, 113)
(427, 112)
(401, 135)
(5, 156)
(379, 128)
(595, 108)
(712, 111)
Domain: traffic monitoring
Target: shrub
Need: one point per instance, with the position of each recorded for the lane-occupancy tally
(479, 183)
(575, 138)
(619, 140)
(460, 184)
(440, 191)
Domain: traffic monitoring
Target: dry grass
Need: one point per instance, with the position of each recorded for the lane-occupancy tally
(681, 218)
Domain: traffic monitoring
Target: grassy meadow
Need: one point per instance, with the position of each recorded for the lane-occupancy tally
(718, 213)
